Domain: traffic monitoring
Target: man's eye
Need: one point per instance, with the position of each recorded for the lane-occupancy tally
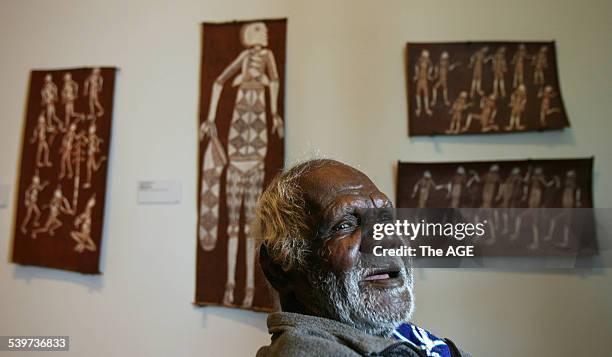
(343, 226)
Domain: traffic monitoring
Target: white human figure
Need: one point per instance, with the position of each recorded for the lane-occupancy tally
(92, 88)
(518, 101)
(490, 182)
(539, 63)
(545, 104)
(70, 93)
(532, 193)
(422, 74)
(247, 147)
(83, 223)
(93, 148)
(499, 67)
(31, 202)
(66, 152)
(457, 184)
(518, 60)
(477, 61)
(570, 198)
(39, 136)
(58, 205)
(488, 111)
(459, 106)
(509, 193)
(441, 72)
(423, 187)
(49, 98)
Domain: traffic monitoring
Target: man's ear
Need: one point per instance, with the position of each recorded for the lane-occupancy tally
(276, 275)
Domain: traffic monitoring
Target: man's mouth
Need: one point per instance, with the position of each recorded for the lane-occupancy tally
(389, 277)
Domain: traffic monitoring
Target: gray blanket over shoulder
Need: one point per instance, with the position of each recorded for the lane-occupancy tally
(302, 335)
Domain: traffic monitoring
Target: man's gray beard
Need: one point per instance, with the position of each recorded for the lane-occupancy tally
(341, 299)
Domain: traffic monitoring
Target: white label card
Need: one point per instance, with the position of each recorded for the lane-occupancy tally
(159, 192)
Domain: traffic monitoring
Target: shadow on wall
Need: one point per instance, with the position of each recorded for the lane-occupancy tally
(94, 283)
(238, 316)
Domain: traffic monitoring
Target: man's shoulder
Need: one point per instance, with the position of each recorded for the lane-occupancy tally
(300, 342)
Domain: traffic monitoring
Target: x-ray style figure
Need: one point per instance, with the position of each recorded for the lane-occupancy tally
(459, 106)
(539, 63)
(31, 202)
(83, 223)
(518, 60)
(70, 93)
(441, 72)
(509, 194)
(92, 88)
(499, 66)
(423, 71)
(246, 150)
(66, 152)
(490, 183)
(457, 184)
(58, 205)
(423, 187)
(477, 61)
(486, 117)
(39, 137)
(93, 148)
(570, 198)
(49, 98)
(532, 193)
(546, 96)
(518, 101)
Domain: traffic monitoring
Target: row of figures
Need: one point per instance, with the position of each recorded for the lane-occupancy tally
(79, 147)
(512, 193)
(57, 206)
(426, 72)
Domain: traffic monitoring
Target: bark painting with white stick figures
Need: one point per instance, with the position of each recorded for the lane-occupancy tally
(459, 88)
(241, 133)
(530, 207)
(64, 164)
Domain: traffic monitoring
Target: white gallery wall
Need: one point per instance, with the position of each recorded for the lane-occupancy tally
(346, 99)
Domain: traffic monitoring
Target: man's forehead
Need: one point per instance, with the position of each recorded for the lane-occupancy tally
(323, 184)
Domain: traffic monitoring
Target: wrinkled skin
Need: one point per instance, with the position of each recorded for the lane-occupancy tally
(334, 282)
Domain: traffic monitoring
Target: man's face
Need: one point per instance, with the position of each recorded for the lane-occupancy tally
(344, 281)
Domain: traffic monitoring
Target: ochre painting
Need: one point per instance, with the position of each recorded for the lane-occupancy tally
(241, 149)
(64, 162)
(529, 206)
(483, 88)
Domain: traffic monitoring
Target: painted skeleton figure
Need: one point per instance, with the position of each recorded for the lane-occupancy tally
(70, 93)
(83, 235)
(499, 67)
(518, 60)
(477, 61)
(92, 88)
(539, 63)
(518, 101)
(39, 136)
(246, 151)
(66, 152)
(459, 106)
(31, 202)
(441, 72)
(422, 74)
(423, 188)
(49, 98)
(93, 148)
(570, 198)
(457, 184)
(58, 205)
(533, 193)
(509, 194)
(545, 104)
(490, 183)
(486, 116)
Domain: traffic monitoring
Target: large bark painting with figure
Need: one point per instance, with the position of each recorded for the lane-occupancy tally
(530, 207)
(241, 149)
(64, 161)
(483, 87)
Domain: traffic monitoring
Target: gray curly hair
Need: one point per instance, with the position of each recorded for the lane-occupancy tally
(281, 217)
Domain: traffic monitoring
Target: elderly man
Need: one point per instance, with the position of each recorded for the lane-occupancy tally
(337, 298)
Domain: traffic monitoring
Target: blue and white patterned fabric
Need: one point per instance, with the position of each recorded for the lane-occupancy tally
(422, 339)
